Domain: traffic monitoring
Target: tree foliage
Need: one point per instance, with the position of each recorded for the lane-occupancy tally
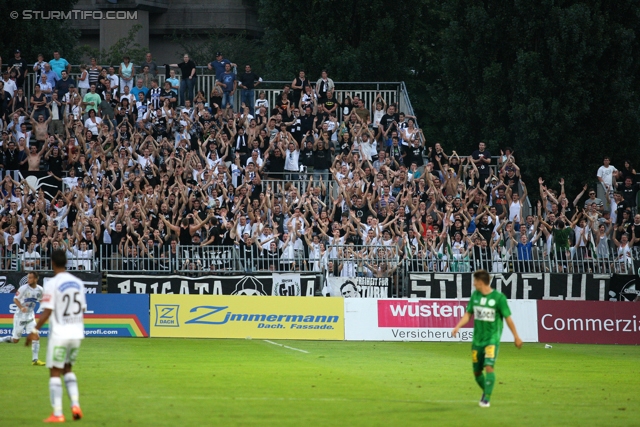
(240, 48)
(356, 40)
(36, 36)
(114, 54)
(559, 81)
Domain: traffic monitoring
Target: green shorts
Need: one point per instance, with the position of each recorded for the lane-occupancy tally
(484, 356)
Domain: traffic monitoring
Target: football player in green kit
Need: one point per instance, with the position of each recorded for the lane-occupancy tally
(488, 308)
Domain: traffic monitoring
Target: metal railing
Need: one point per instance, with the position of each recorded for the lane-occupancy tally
(361, 260)
(382, 261)
(391, 92)
(367, 261)
(134, 258)
(40, 260)
(513, 260)
(208, 259)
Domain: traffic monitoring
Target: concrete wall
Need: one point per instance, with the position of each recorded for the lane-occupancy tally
(160, 18)
(163, 50)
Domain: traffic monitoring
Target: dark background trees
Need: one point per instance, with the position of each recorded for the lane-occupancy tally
(356, 40)
(559, 81)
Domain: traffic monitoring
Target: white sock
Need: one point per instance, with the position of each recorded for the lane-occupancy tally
(71, 382)
(6, 339)
(55, 395)
(35, 349)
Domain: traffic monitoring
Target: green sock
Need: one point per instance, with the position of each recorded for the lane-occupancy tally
(480, 381)
(489, 382)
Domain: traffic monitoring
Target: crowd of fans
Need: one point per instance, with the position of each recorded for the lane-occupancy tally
(164, 177)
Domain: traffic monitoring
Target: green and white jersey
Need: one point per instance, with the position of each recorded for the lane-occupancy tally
(488, 314)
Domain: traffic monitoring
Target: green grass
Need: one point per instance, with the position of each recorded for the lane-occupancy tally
(188, 382)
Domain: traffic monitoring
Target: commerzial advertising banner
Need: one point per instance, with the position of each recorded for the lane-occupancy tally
(358, 287)
(587, 322)
(534, 286)
(195, 316)
(292, 284)
(425, 320)
(10, 281)
(106, 315)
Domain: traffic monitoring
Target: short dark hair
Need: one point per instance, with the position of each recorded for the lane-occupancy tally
(35, 274)
(59, 258)
(483, 276)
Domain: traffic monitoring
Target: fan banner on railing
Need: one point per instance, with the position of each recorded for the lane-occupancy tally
(36, 180)
(286, 285)
(358, 287)
(259, 284)
(624, 287)
(541, 286)
(40, 180)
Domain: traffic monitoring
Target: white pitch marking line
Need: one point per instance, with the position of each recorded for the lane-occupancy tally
(310, 399)
(286, 346)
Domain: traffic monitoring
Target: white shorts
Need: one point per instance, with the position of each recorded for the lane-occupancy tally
(22, 324)
(62, 351)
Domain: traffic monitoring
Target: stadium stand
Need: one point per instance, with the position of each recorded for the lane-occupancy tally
(303, 178)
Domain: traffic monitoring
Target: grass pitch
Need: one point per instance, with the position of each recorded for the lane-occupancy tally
(189, 382)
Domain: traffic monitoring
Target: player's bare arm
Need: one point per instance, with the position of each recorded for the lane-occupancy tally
(20, 306)
(512, 328)
(465, 319)
(41, 321)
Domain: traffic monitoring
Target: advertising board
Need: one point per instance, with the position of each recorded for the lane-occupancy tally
(588, 322)
(425, 320)
(106, 315)
(212, 316)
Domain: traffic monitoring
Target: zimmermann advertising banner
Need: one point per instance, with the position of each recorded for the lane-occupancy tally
(292, 284)
(425, 320)
(534, 286)
(195, 316)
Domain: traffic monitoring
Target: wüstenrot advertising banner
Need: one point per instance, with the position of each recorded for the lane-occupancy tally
(587, 322)
(194, 316)
(425, 320)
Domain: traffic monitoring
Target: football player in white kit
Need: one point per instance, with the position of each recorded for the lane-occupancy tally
(63, 305)
(27, 297)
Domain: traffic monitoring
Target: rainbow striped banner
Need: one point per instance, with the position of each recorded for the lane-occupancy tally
(107, 315)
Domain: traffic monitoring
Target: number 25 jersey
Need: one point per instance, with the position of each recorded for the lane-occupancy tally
(64, 295)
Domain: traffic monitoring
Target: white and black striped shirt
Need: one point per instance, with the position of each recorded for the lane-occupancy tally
(154, 97)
